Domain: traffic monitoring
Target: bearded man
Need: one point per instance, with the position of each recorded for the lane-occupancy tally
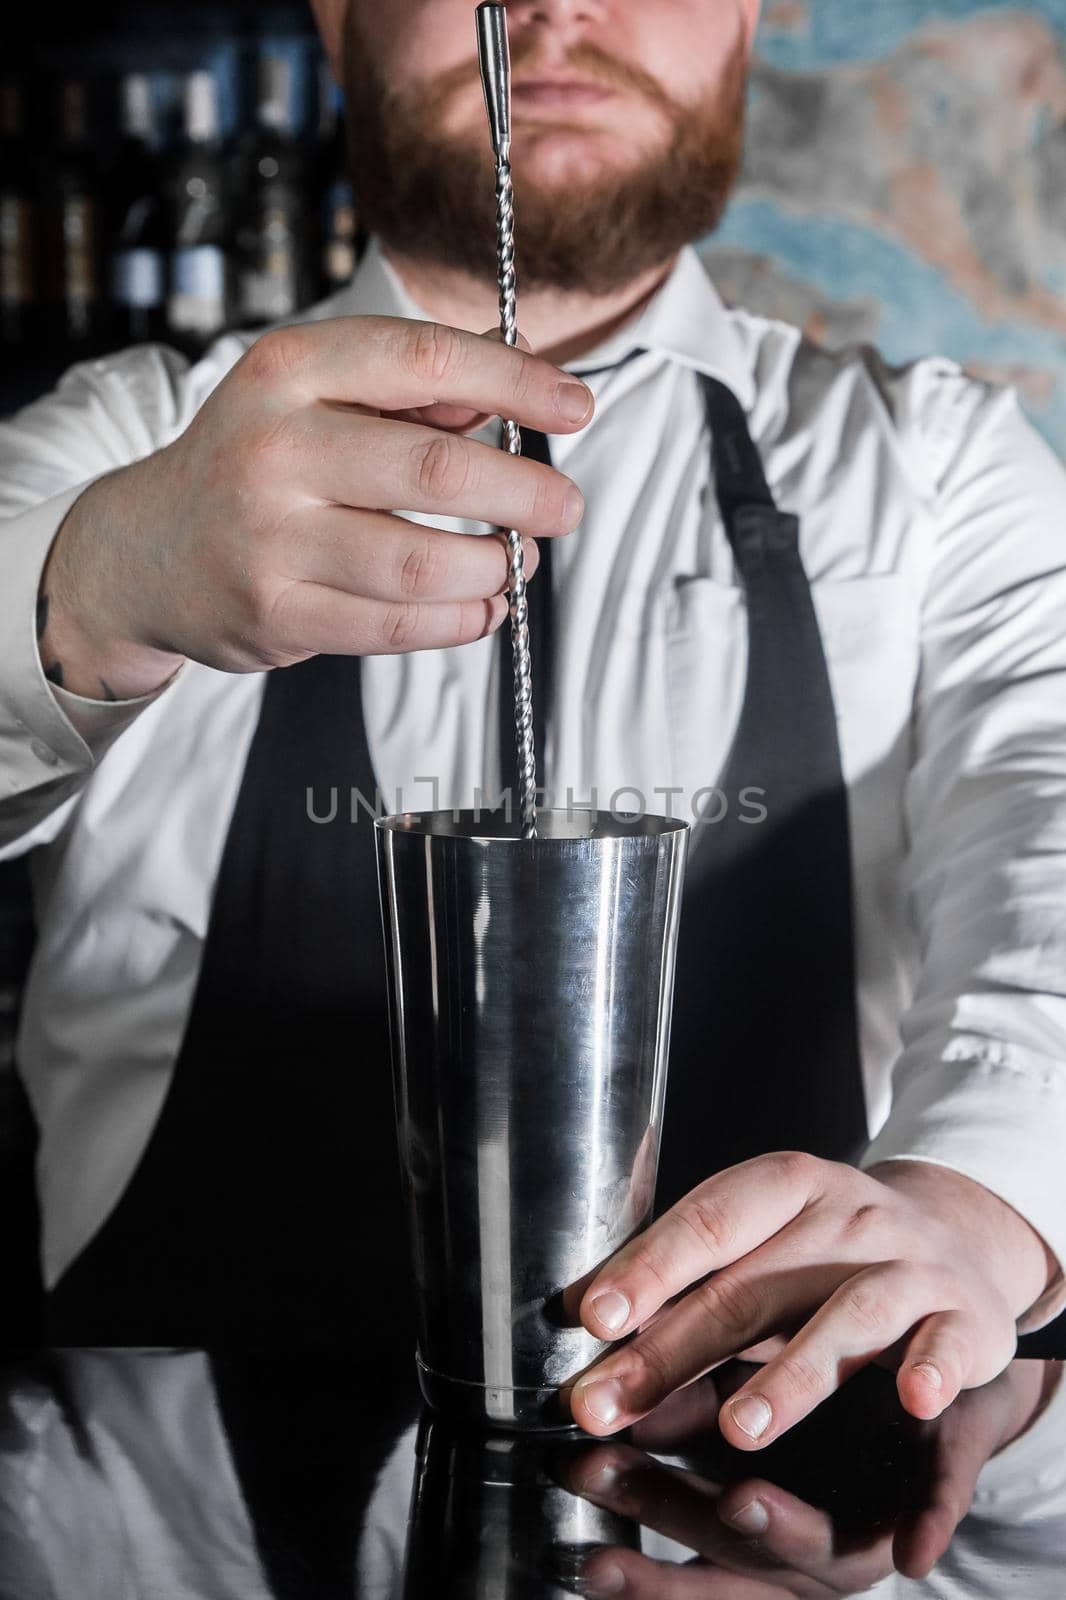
(811, 599)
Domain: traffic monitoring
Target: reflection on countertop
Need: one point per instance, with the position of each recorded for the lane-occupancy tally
(179, 1475)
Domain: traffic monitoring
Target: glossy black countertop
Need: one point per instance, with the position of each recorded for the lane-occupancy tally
(177, 1474)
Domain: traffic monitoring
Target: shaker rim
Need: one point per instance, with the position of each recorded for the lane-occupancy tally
(560, 826)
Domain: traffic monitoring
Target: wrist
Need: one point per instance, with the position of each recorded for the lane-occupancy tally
(85, 644)
(1016, 1256)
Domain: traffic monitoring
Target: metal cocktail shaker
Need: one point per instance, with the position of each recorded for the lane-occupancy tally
(530, 985)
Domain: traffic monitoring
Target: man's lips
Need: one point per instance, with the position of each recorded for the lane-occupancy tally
(543, 93)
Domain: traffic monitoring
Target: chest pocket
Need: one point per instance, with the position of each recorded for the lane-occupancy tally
(870, 634)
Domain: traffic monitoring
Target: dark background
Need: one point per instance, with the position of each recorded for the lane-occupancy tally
(96, 44)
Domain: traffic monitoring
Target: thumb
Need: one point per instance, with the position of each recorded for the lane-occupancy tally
(457, 419)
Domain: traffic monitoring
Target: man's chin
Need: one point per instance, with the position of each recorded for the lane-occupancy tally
(560, 159)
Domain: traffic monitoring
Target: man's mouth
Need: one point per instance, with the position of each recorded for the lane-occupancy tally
(543, 93)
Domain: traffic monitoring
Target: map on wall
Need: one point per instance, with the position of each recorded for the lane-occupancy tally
(905, 185)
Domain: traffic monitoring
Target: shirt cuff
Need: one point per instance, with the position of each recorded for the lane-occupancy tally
(1004, 1126)
(99, 722)
(46, 733)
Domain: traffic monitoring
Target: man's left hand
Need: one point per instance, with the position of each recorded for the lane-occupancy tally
(822, 1268)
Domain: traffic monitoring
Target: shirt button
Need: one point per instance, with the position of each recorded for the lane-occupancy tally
(43, 753)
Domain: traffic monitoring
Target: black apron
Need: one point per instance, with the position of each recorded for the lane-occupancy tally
(267, 1207)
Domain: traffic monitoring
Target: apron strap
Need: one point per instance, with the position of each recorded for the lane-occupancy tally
(764, 1049)
(738, 470)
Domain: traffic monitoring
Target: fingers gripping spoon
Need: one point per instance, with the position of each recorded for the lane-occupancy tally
(495, 60)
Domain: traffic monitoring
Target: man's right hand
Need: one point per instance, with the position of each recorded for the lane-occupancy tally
(268, 531)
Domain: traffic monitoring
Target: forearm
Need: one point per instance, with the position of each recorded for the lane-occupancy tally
(50, 739)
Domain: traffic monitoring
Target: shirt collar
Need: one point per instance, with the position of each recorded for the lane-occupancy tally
(685, 321)
(376, 290)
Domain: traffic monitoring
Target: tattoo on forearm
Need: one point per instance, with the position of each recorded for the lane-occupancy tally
(54, 670)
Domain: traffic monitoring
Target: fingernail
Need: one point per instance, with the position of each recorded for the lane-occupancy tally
(603, 1400)
(751, 1414)
(573, 507)
(573, 401)
(931, 1373)
(612, 1310)
(750, 1519)
(608, 1580)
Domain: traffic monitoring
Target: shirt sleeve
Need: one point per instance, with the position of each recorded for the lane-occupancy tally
(980, 1083)
(103, 415)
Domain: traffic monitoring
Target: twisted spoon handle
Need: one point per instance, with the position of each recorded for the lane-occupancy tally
(495, 61)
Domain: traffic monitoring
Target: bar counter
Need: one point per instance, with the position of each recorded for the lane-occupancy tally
(176, 1475)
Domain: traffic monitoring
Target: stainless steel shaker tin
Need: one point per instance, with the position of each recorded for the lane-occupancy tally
(530, 987)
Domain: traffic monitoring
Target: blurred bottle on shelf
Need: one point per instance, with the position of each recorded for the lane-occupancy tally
(166, 233)
(197, 305)
(338, 221)
(19, 291)
(137, 278)
(73, 230)
(273, 217)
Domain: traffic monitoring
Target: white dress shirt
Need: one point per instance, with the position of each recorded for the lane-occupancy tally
(934, 535)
